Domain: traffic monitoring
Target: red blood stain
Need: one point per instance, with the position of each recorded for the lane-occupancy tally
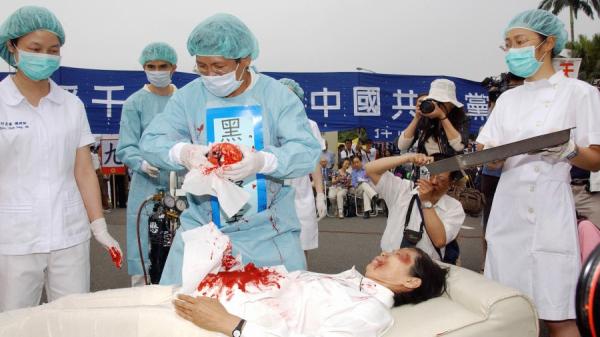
(116, 257)
(273, 224)
(200, 128)
(227, 280)
(228, 261)
(253, 186)
(405, 258)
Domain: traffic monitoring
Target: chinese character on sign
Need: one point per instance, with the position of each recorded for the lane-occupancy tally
(325, 107)
(400, 107)
(231, 130)
(108, 158)
(367, 101)
(569, 66)
(477, 105)
(108, 101)
(381, 133)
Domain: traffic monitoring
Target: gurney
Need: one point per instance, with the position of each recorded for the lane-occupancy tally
(473, 306)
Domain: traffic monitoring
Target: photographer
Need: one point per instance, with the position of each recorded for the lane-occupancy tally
(442, 215)
(440, 124)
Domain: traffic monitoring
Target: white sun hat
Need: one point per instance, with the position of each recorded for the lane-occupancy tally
(444, 90)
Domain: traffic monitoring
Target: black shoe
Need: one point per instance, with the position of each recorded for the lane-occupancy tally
(366, 215)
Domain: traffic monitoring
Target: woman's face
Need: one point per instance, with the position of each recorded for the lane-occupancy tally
(520, 38)
(39, 41)
(345, 164)
(393, 269)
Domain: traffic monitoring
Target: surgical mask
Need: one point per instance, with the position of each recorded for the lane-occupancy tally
(37, 66)
(222, 86)
(159, 79)
(522, 61)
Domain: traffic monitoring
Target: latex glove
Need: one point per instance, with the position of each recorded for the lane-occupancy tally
(321, 206)
(559, 152)
(194, 156)
(253, 162)
(149, 169)
(101, 234)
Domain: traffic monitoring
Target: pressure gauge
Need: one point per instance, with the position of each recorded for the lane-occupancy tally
(169, 201)
(181, 205)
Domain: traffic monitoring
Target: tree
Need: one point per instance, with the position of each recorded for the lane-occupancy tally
(586, 6)
(589, 52)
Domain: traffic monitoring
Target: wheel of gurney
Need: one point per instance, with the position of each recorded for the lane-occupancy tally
(588, 296)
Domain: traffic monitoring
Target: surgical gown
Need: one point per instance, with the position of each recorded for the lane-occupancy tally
(267, 237)
(138, 111)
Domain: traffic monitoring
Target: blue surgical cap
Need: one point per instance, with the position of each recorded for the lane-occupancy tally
(294, 86)
(542, 22)
(25, 20)
(158, 51)
(223, 35)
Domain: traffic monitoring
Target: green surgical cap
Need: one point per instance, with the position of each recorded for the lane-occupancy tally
(24, 21)
(543, 22)
(158, 51)
(222, 35)
(294, 86)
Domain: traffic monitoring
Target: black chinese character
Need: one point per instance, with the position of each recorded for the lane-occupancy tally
(110, 153)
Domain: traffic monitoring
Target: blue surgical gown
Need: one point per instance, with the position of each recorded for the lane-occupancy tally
(269, 237)
(138, 111)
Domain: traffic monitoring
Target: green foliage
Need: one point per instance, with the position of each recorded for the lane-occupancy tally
(586, 6)
(589, 52)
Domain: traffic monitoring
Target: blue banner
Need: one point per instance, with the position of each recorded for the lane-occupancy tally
(382, 104)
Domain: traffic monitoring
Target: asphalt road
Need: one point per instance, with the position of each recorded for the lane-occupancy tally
(343, 243)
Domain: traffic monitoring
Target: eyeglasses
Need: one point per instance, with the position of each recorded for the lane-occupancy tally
(520, 43)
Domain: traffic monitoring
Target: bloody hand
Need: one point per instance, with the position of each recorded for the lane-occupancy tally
(116, 257)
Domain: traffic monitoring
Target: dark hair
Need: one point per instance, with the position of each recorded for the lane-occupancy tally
(348, 140)
(454, 175)
(427, 128)
(342, 162)
(433, 281)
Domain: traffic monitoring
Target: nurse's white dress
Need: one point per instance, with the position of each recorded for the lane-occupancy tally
(532, 233)
(305, 202)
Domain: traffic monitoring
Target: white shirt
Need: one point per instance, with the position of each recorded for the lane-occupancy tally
(305, 202)
(40, 205)
(316, 305)
(431, 146)
(532, 233)
(397, 194)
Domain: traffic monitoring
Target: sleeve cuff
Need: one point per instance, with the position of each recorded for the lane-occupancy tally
(403, 143)
(175, 153)
(270, 163)
(456, 144)
(86, 140)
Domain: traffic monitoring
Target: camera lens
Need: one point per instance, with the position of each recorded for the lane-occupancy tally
(427, 106)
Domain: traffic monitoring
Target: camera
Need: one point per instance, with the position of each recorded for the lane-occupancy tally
(427, 106)
(411, 238)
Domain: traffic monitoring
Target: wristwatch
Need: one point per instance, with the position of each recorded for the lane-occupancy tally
(237, 332)
(426, 204)
(573, 154)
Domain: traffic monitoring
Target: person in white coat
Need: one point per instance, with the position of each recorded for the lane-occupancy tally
(49, 191)
(305, 199)
(531, 232)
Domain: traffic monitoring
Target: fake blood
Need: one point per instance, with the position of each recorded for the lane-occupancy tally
(228, 279)
(221, 154)
(116, 257)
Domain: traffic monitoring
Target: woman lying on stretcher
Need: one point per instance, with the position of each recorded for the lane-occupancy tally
(255, 302)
